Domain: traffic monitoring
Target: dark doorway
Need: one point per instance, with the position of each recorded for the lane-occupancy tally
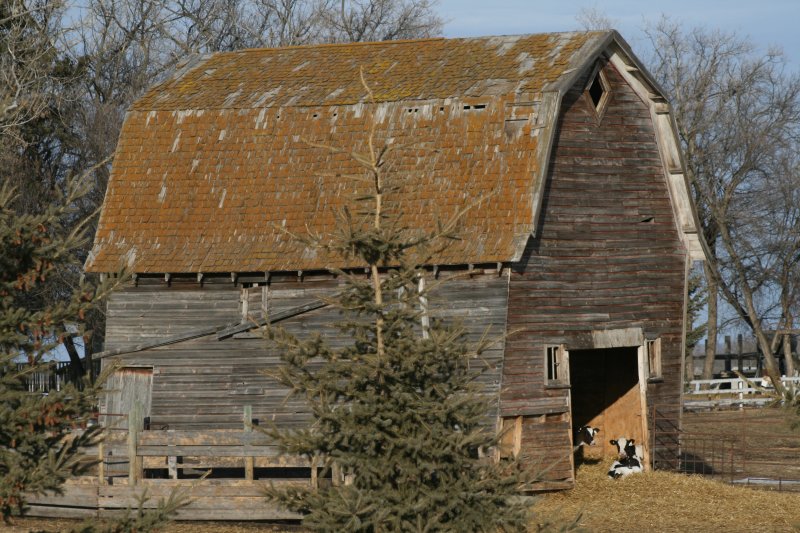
(605, 394)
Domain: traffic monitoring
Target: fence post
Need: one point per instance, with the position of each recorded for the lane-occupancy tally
(728, 351)
(249, 461)
(135, 421)
(314, 474)
(101, 465)
(740, 352)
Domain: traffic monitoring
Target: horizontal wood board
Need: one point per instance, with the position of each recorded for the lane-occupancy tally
(205, 382)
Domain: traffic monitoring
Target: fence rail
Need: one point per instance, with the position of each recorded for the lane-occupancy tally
(733, 392)
(137, 453)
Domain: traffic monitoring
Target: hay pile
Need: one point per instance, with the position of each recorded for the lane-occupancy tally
(666, 502)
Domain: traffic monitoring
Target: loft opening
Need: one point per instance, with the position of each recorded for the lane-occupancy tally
(598, 90)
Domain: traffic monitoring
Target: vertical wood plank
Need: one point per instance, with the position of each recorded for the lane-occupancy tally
(135, 422)
(249, 462)
(517, 436)
(172, 466)
(101, 465)
(644, 370)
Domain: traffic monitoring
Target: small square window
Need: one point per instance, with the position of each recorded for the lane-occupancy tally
(556, 364)
(653, 348)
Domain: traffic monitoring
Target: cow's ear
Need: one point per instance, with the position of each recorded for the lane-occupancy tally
(631, 441)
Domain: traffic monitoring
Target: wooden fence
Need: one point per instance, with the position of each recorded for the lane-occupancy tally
(224, 472)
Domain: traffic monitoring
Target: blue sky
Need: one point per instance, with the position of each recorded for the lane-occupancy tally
(766, 22)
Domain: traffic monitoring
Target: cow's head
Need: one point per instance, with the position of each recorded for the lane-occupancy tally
(625, 447)
(585, 435)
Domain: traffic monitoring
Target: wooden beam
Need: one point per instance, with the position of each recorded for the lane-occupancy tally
(277, 317)
(163, 341)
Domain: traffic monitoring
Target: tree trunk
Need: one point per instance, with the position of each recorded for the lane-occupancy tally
(711, 328)
(787, 339)
(76, 370)
(88, 351)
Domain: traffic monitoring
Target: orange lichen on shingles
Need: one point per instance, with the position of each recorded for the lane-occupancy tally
(214, 166)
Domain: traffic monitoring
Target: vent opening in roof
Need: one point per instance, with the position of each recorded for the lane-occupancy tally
(598, 91)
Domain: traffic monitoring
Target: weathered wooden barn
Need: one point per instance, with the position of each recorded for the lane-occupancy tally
(581, 249)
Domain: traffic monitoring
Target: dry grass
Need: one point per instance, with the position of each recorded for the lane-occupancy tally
(667, 502)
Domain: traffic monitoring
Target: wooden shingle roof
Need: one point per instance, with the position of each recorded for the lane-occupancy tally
(213, 164)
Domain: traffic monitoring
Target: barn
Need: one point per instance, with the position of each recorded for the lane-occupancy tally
(579, 249)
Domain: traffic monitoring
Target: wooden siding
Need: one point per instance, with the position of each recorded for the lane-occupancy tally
(205, 382)
(607, 254)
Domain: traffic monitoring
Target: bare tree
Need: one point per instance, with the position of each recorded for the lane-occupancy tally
(737, 112)
(70, 70)
(779, 229)
(27, 33)
(592, 19)
(379, 20)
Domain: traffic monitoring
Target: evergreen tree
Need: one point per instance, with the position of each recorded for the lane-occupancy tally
(398, 412)
(39, 445)
(38, 449)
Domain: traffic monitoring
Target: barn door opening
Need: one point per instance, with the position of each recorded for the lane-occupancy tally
(606, 393)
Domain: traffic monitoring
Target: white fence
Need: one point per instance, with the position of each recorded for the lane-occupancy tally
(733, 392)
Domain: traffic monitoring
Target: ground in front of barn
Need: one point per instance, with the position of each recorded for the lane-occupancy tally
(666, 502)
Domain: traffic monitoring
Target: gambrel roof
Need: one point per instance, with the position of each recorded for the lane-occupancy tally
(219, 165)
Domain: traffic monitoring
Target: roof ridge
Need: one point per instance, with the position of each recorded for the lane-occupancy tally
(392, 42)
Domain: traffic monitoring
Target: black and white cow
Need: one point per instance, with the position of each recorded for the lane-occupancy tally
(585, 436)
(628, 461)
